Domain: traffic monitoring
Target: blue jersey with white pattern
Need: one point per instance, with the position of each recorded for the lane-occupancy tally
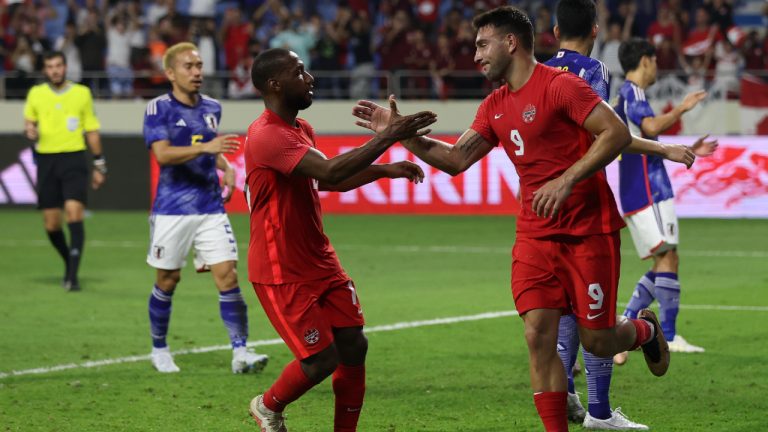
(643, 180)
(190, 188)
(591, 70)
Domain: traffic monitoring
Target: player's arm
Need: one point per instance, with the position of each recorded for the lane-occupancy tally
(656, 125)
(93, 139)
(611, 137)
(30, 117)
(166, 154)
(30, 129)
(452, 159)
(674, 152)
(340, 168)
(402, 169)
(228, 179)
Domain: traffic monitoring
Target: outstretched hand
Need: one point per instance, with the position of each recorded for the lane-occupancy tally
(692, 99)
(222, 144)
(389, 122)
(681, 154)
(404, 169)
(704, 148)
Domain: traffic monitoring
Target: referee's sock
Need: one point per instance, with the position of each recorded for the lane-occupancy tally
(59, 243)
(77, 239)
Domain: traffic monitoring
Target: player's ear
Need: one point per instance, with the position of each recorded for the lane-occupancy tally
(595, 29)
(512, 43)
(556, 31)
(273, 85)
(169, 73)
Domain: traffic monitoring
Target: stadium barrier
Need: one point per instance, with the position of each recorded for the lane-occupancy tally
(731, 184)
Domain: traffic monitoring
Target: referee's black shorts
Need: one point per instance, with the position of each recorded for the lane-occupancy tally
(61, 177)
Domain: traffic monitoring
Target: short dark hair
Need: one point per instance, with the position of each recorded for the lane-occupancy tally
(575, 18)
(50, 55)
(267, 65)
(632, 51)
(509, 19)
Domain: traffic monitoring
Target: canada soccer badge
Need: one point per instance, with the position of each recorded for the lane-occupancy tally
(529, 113)
(312, 336)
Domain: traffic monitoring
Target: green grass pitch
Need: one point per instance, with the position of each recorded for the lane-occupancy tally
(462, 376)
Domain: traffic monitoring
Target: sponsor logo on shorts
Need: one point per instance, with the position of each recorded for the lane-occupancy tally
(312, 336)
(158, 251)
(591, 317)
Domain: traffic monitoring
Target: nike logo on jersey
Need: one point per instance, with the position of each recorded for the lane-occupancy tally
(497, 116)
(591, 317)
(181, 123)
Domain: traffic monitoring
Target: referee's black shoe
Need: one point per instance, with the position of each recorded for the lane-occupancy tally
(71, 285)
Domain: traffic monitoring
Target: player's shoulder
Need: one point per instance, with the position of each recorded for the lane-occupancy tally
(632, 92)
(80, 89)
(208, 101)
(157, 105)
(37, 90)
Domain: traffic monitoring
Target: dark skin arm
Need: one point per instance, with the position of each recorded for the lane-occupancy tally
(340, 168)
(403, 169)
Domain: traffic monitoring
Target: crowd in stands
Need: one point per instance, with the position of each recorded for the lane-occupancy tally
(427, 46)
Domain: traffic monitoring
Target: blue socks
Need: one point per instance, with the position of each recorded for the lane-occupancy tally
(598, 371)
(234, 313)
(568, 346)
(643, 296)
(668, 294)
(159, 316)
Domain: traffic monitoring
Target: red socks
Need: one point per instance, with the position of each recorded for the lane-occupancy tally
(644, 331)
(290, 385)
(349, 388)
(552, 408)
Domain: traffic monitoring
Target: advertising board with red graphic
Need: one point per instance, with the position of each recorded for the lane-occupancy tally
(732, 183)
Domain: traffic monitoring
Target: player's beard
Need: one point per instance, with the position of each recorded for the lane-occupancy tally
(497, 70)
(59, 82)
(300, 102)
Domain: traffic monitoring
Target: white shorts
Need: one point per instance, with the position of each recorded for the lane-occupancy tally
(171, 237)
(654, 229)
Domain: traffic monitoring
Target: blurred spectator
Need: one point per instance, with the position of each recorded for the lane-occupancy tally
(696, 69)
(81, 18)
(54, 16)
(754, 52)
(666, 56)
(269, 15)
(119, 36)
(625, 16)
(703, 35)
(295, 36)
(680, 13)
(441, 66)
(418, 59)
(92, 44)
(665, 27)
(235, 36)
(361, 48)
(66, 44)
(327, 57)
(463, 47)
(203, 33)
(23, 59)
(202, 8)
(720, 13)
(728, 63)
(545, 43)
(156, 47)
(451, 23)
(394, 46)
(156, 10)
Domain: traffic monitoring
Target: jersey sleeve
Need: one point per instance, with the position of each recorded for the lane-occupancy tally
(30, 113)
(482, 125)
(598, 80)
(638, 108)
(155, 127)
(280, 150)
(90, 121)
(566, 88)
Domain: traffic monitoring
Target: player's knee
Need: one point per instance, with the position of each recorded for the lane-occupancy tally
(538, 338)
(353, 350)
(321, 365)
(598, 345)
(167, 281)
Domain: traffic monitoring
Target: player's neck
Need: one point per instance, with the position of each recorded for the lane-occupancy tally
(520, 72)
(583, 47)
(288, 115)
(190, 99)
(58, 87)
(636, 76)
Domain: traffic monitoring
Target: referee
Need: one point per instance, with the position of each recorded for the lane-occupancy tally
(56, 114)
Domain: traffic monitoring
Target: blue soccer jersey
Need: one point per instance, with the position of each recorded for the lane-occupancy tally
(193, 187)
(591, 70)
(643, 180)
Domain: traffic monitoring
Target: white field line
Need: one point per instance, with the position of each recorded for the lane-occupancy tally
(371, 329)
(447, 249)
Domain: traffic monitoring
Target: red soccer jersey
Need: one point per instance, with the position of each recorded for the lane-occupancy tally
(539, 126)
(287, 242)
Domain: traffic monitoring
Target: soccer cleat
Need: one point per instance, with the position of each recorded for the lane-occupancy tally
(71, 285)
(576, 411)
(247, 361)
(268, 420)
(678, 344)
(656, 351)
(163, 361)
(621, 358)
(617, 421)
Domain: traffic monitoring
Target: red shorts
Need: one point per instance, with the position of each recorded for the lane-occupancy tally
(579, 275)
(305, 313)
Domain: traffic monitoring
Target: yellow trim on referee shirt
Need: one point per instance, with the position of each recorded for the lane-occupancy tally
(61, 117)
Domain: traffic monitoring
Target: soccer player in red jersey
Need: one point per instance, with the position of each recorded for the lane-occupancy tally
(306, 294)
(560, 135)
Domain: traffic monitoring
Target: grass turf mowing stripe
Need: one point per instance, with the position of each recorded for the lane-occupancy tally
(371, 329)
